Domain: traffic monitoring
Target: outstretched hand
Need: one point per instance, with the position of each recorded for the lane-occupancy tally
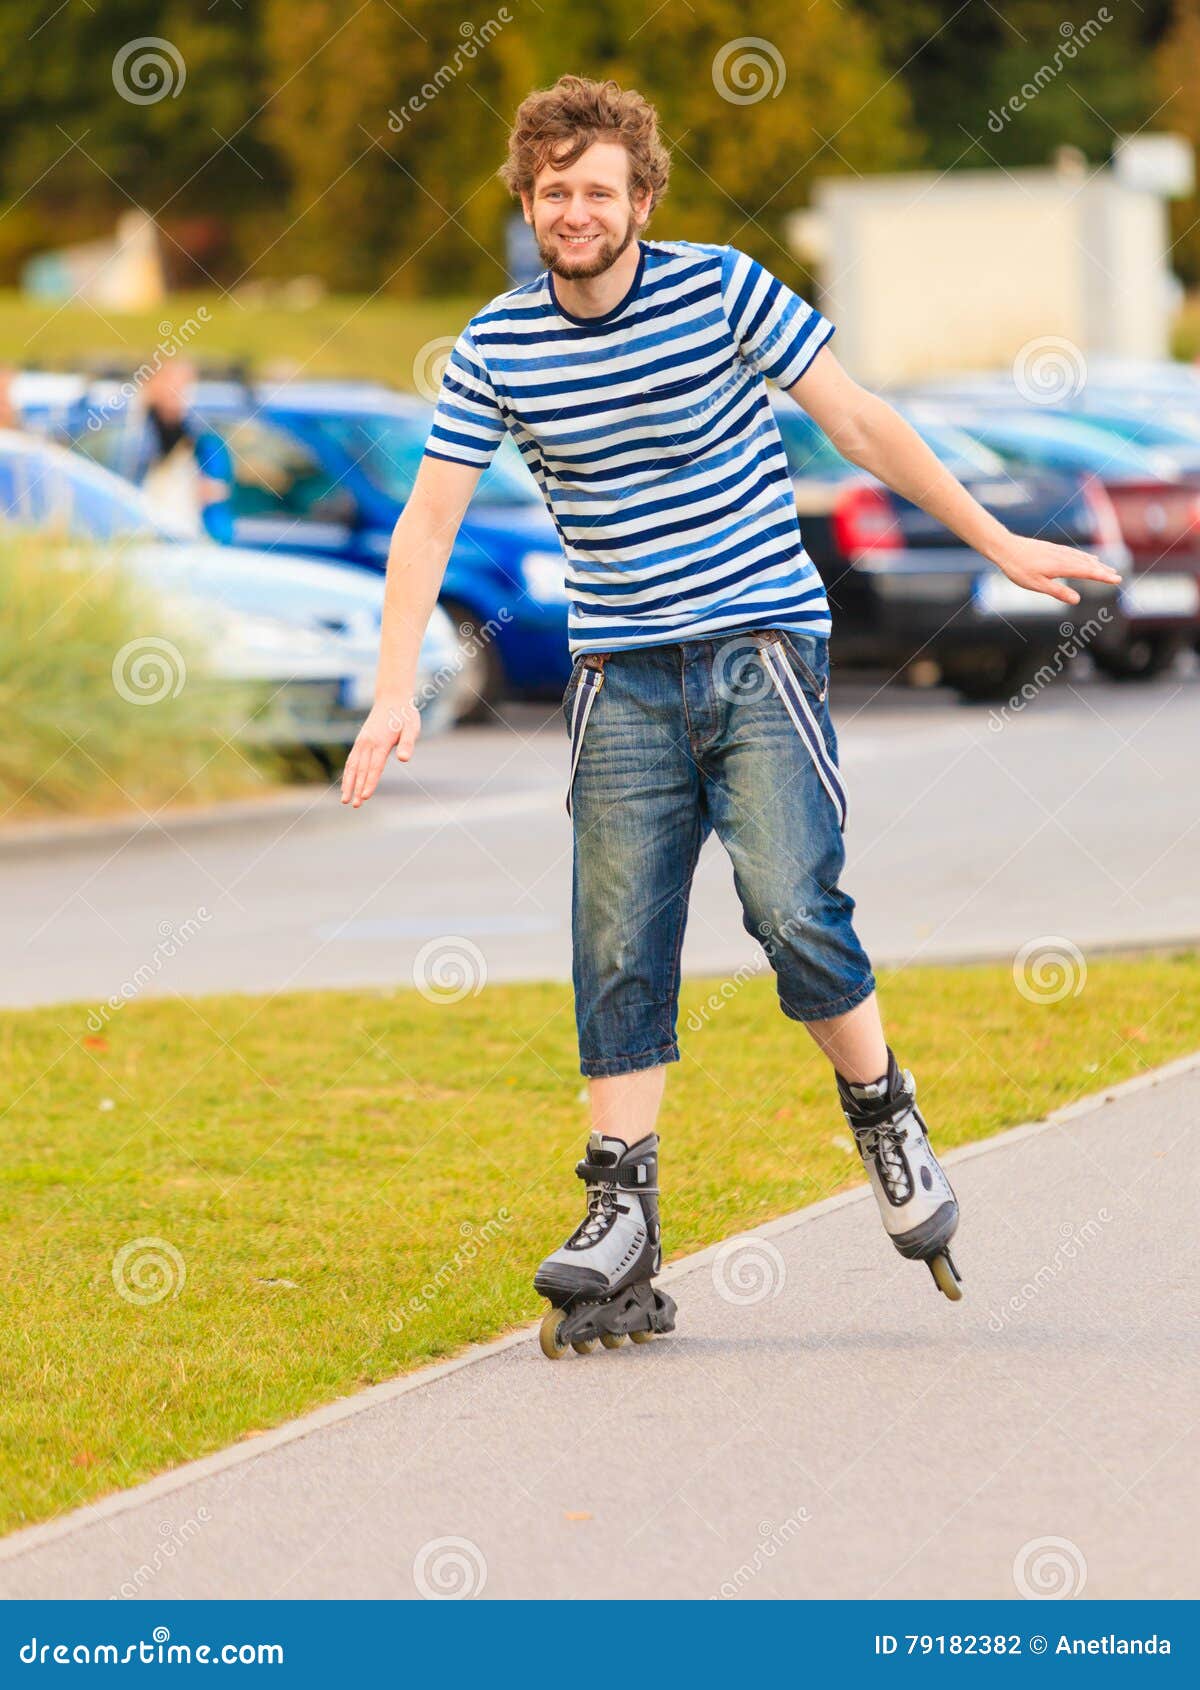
(389, 724)
(1037, 564)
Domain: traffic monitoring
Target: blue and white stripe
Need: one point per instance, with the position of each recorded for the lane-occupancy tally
(651, 436)
(805, 722)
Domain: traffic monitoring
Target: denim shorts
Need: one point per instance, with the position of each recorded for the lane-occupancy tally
(668, 743)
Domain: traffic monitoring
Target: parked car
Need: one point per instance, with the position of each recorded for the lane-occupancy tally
(902, 586)
(1156, 508)
(305, 633)
(324, 469)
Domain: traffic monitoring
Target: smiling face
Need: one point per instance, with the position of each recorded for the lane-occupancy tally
(582, 216)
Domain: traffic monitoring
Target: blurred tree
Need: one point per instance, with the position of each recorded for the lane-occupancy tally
(132, 103)
(962, 62)
(419, 191)
(1177, 71)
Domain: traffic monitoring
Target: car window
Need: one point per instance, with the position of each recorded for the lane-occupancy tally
(64, 493)
(276, 473)
(388, 450)
(1063, 445)
(808, 449)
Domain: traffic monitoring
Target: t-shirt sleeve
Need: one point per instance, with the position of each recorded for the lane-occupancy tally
(776, 331)
(468, 424)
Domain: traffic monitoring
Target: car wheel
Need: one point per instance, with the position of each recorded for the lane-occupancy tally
(1140, 658)
(482, 673)
(987, 677)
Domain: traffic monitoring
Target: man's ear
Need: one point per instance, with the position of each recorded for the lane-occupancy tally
(527, 207)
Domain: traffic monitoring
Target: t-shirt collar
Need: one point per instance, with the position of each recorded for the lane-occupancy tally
(601, 322)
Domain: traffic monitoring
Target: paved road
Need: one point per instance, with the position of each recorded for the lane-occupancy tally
(848, 1435)
(1078, 817)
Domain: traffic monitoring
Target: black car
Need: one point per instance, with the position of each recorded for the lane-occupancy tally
(902, 587)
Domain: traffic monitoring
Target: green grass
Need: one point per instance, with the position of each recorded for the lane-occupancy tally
(341, 335)
(105, 696)
(344, 335)
(359, 1182)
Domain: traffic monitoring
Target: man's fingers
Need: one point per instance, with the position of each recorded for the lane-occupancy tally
(408, 739)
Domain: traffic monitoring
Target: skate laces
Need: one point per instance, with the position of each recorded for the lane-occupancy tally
(602, 1204)
(885, 1141)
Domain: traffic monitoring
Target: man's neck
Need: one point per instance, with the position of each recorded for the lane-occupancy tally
(595, 296)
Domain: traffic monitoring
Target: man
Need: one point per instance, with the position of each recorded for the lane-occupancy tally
(184, 469)
(631, 375)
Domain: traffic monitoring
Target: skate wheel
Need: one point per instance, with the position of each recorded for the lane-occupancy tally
(640, 1337)
(945, 1278)
(548, 1335)
(612, 1340)
(583, 1346)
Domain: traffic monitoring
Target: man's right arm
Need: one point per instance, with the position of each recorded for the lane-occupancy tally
(422, 541)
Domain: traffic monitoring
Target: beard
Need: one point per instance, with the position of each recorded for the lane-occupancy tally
(571, 269)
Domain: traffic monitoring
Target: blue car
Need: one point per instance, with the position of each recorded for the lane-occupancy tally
(323, 469)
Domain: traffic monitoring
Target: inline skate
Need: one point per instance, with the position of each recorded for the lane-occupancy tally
(598, 1282)
(918, 1206)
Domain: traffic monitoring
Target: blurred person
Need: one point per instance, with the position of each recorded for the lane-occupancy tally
(632, 376)
(184, 468)
(10, 417)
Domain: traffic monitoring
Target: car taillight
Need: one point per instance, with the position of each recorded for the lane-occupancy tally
(1106, 529)
(864, 520)
(1157, 517)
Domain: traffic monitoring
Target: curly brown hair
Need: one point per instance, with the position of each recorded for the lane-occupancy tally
(559, 124)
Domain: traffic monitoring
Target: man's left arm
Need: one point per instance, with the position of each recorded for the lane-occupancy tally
(866, 430)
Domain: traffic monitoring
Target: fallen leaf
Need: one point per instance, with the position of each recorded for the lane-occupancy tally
(580, 1516)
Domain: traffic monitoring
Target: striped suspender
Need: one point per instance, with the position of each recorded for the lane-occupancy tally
(590, 682)
(805, 724)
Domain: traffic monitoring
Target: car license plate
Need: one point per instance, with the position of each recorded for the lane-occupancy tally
(996, 595)
(1160, 595)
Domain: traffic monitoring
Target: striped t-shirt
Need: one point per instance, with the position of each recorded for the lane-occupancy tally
(650, 433)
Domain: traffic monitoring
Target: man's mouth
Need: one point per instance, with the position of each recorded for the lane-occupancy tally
(578, 240)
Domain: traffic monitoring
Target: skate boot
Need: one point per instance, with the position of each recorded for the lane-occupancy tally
(919, 1209)
(598, 1282)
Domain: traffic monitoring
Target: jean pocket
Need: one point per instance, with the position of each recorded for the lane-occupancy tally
(802, 689)
(572, 683)
(810, 659)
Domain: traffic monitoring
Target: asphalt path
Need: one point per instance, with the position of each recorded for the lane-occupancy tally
(970, 834)
(821, 1424)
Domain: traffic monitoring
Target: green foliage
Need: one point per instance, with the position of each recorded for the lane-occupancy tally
(73, 740)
